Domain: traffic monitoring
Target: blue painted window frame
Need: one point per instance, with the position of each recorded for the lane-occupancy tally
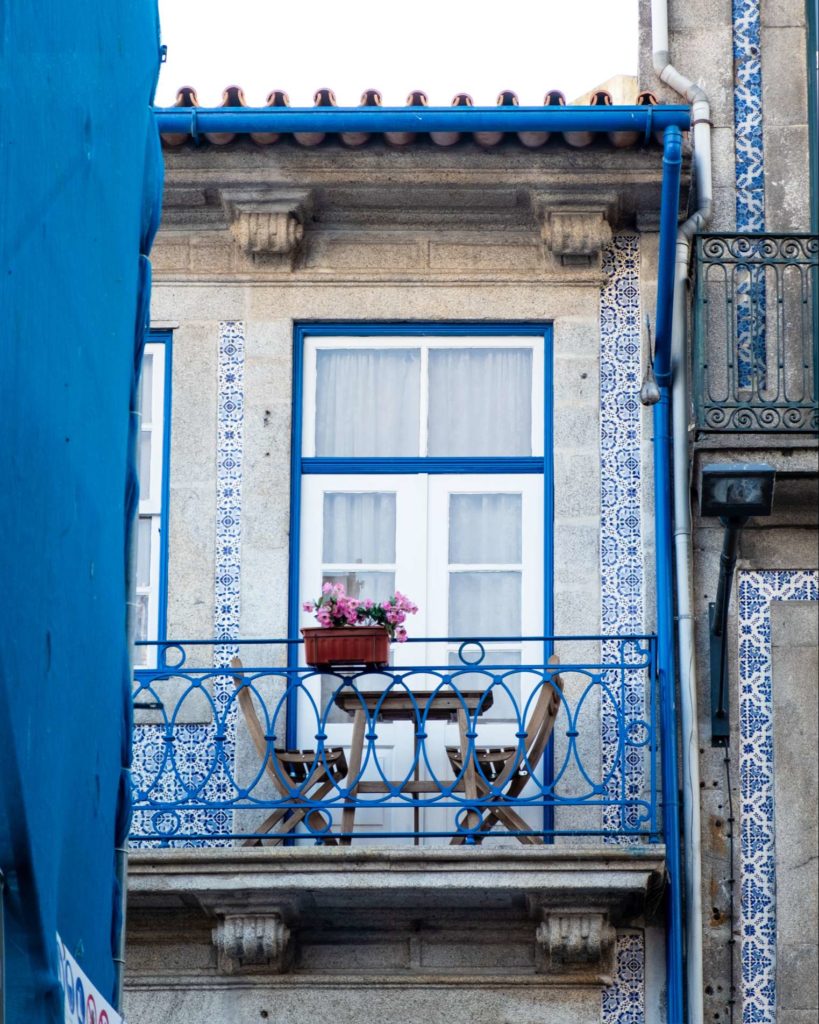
(300, 466)
(164, 337)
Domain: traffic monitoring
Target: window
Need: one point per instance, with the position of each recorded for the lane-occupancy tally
(419, 465)
(154, 443)
(422, 468)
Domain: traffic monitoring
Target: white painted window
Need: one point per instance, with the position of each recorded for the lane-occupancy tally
(151, 453)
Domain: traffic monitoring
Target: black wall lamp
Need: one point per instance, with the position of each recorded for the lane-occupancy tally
(734, 492)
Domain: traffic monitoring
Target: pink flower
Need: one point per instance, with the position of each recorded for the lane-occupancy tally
(327, 588)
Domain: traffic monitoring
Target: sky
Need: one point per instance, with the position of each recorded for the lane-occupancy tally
(440, 47)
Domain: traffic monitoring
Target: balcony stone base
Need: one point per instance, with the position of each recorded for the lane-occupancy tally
(411, 935)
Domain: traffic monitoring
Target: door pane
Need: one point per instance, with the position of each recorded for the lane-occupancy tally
(377, 586)
(506, 705)
(367, 402)
(484, 603)
(144, 465)
(146, 387)
(484, 528)
(480, 401)
(359, 527)
(143, 552)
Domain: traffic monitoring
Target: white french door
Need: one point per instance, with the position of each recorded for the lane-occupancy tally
(465, 546)
(468, 549)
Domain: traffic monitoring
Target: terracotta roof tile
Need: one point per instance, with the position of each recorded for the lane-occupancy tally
(234, 97)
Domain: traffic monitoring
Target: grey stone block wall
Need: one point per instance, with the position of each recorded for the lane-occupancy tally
(795, 671)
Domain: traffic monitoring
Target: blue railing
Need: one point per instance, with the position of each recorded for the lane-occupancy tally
(482, 747)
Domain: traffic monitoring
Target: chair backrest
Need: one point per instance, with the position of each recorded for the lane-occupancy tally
(538, 728)
(254, 726)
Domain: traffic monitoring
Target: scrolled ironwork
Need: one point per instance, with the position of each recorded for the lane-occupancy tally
(756, 337)
(212, 765)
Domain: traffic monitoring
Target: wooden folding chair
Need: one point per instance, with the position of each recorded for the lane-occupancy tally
(507, 768)
(312, 776)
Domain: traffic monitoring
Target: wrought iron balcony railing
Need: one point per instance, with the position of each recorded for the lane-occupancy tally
(756, 348)
(494, 741)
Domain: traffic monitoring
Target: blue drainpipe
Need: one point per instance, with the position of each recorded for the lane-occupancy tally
(670, 120)
(672, 164)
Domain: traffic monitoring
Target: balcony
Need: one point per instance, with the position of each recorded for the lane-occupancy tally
(478, 817)
(756, 347)
(234, 747)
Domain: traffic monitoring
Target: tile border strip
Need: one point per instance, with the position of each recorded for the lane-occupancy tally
(621, 559)
(756, 591)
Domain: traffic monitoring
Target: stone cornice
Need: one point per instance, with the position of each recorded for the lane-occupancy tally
(613, 881)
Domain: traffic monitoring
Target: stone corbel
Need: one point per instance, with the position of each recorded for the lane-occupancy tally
(574, 235)
(252, 942)
(573, 942)
(267, 227)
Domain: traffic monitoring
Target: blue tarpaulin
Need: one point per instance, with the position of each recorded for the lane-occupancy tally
(80, 184)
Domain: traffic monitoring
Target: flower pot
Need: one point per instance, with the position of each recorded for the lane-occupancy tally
(346, 647)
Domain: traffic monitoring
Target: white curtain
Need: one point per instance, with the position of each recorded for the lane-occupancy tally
(485, 529)
(367, 402)
(484, 603)
(480, 401)
(359, 527)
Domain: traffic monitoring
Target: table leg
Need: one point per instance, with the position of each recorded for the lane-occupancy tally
(468, 761)
(354, 767)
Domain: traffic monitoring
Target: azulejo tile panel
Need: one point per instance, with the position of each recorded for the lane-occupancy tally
(621, 572)
(750, 183)
(624, 1001)
(757, 841)
(621, 549)
(197, 766)
(748, 151)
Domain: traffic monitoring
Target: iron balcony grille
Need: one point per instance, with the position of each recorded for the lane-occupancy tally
(756, 348)
(447, 753)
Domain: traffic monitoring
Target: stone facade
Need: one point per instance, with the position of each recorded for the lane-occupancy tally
(759, 108)
(256, 240)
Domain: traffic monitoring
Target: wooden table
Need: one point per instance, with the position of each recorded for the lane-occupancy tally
(401, 705)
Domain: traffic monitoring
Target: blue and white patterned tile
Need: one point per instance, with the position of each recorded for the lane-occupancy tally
(621, 549)
(196, 764)
(624, 1001)
(757, 840)
(621, 574)
(750, 184)
(748, 143)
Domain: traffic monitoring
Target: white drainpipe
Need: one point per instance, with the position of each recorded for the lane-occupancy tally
(701, 127)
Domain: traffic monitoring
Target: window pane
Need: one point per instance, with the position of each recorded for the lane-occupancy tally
(480, 401)
(505, 695)
(484, 528)
(367, 402)
(141, 624)
(143, 552)
(484, 603)
(377, 586)
(145, 464)
(146, 387)
(359, 527)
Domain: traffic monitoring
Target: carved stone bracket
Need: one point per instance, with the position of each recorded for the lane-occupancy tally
(252, 941)
(574, 235)
(268, 227)
(573, 941)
